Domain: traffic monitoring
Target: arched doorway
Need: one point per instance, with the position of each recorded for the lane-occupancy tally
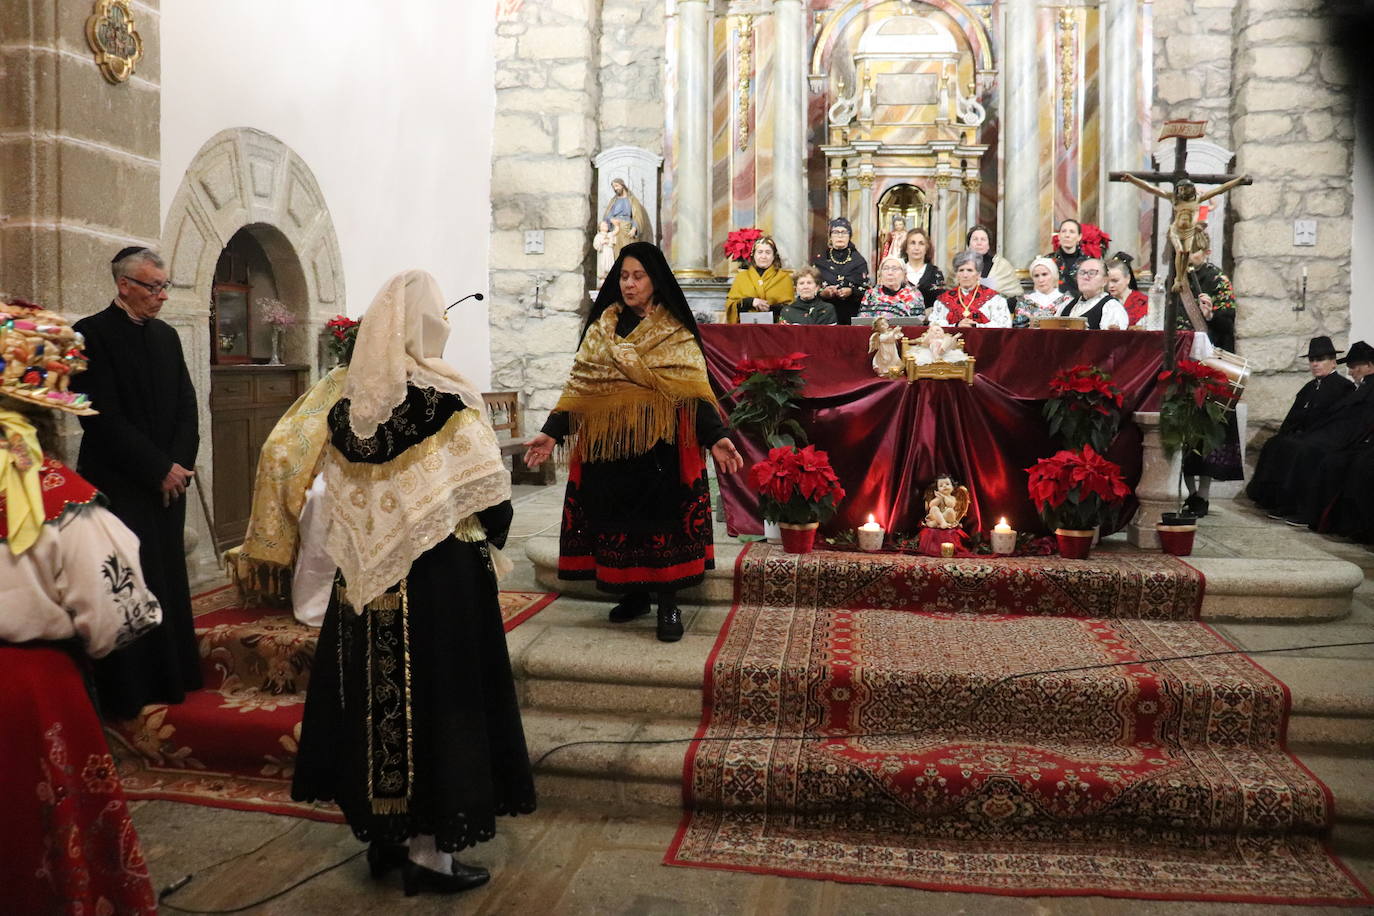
(249, 196)
(904, 202)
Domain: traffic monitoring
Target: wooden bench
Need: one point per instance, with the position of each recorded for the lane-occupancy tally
(503, 407)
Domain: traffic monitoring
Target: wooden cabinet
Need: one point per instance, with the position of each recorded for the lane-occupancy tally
(245, 403)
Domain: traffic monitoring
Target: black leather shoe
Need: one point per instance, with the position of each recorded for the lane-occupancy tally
(383, 857)
(669, 623)
(416, 878)
(1196, 505)
(635, 604)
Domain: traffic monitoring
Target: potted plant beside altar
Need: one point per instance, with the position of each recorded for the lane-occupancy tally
(798, 488)
(766, 391)
(1073, 490)
(1084, 408)
(1192, 418)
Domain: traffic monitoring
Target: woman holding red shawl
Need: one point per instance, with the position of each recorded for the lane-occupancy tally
(634, 415)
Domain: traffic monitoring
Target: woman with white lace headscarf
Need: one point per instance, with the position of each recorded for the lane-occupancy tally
(412, 724)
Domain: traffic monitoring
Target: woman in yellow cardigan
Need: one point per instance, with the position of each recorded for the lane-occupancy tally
(761, 286)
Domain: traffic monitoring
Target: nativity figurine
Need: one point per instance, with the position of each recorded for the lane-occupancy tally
(604, 243)
(937, 345)
(946, 503)
(883, 343)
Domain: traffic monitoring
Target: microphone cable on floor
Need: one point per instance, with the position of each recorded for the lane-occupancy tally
(186, 879)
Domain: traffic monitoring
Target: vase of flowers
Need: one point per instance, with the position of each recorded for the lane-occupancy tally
(739, 245)
(277, 317)
(1084, 408)
(1192, 416)
(798, 488)
(342, 335)
(1073, 490)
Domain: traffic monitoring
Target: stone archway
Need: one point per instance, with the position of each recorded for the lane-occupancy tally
(245, 178)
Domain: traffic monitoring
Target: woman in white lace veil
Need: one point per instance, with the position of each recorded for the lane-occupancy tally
(412, 724)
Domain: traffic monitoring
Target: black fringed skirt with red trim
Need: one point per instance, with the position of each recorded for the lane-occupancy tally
(640, 523)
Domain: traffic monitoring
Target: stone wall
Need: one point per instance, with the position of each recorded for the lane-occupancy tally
(1261, 72)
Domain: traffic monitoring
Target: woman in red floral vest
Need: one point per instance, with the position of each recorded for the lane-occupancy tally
(969, 304)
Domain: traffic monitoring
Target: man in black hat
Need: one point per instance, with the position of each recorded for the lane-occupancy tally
(1318, 396)
(1291, 477)
(844, 272)
(140, 451)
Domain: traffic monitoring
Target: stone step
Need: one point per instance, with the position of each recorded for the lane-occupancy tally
(621, 778)
(1237, 589)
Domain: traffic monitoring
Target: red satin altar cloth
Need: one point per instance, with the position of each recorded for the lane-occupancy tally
(888, 439)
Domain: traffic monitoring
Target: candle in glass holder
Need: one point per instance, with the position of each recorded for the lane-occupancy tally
(870, 536)
(946, 550)
(1003, 538)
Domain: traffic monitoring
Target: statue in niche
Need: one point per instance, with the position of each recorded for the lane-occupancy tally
(946, 503)
(883, 344)
(604, 245)
(896, 238)
(627, 215)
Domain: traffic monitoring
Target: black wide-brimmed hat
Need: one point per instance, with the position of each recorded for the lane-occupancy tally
(1320, 348)
(1360, 352)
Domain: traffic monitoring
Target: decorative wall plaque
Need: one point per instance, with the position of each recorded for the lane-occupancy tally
(117, 46)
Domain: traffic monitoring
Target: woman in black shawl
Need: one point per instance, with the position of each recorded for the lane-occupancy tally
(844, 272)
(636, 411)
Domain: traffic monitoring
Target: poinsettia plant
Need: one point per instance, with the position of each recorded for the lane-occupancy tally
(797, 486)
(1073, 489)
(766, 390)
(1092, 243)
(739, 245)
(343, 334)
(1085, 407)
(1192, 416)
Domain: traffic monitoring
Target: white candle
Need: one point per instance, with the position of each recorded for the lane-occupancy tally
(870, 535)
(1003, 538)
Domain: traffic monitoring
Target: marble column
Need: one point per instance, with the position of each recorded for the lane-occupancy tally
(972, 184)
(691, 250)
(788, 207)
(1120, 105)
(863, 234)
(836, 185)
(1024, 226)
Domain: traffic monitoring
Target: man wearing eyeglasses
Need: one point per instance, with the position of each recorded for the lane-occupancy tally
(1101, 311)
(139, 451)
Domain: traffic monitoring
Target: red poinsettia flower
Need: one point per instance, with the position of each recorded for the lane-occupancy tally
(739, 245)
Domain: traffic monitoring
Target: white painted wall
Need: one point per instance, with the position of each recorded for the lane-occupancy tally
(391, 105)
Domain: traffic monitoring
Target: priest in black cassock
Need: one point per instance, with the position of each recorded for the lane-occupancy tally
(1289, 478)
(139, 452)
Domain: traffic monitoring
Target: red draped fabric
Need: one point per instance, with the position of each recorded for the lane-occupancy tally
(888, 439)
(68, 845)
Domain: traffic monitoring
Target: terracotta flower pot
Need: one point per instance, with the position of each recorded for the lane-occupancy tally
(1074, 544)
(1177, 539)
(798, 538)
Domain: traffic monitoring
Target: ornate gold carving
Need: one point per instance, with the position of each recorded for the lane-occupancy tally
(865, 181)
(111, 35)
(835, 184)
(745, 64)
(942, 182)
(1068, 24)
(972, 184)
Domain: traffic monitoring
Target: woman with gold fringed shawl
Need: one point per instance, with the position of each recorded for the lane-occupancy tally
(411, 721)
(634, 416)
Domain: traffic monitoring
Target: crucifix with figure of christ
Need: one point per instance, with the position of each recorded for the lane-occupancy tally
(1185, 237)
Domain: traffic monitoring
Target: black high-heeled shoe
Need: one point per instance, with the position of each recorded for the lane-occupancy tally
(383, 857)
(415, 878)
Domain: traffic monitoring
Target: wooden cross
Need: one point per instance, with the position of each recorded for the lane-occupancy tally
(1183, 238)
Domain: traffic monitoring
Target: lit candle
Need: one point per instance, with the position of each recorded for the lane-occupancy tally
(870, 535)
(1003, 538)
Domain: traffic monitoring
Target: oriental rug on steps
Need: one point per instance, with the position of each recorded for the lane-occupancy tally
(233, 744)
(929, 765)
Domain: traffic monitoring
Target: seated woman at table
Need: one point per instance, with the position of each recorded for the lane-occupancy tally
(994, 271)
(1093, 304)
(1068, 254)
(808, 307)
(893, 297)
(970, 304)
(761, 286)
(921, 271)
(1122, 287)
(1045, 300)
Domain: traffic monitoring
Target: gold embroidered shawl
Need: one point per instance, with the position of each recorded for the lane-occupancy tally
(287, 465)
(623, 393)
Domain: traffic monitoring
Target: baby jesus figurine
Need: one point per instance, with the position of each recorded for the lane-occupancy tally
(946, 504)
(937, 345)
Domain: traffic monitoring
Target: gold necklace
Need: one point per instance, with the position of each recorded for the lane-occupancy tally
(848, 256)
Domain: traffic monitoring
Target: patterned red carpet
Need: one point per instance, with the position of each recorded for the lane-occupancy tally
(1152, 779)
(233, 744)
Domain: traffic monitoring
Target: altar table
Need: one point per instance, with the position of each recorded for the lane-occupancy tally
(888, 439)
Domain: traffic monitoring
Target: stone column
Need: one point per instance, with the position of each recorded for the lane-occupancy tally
(691, 251)
(1121, 143)
(1158, 487)
(1021, 217)
(788, 210)
(836, 185)
(971, 185)
(941, 233)
(863, 233)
